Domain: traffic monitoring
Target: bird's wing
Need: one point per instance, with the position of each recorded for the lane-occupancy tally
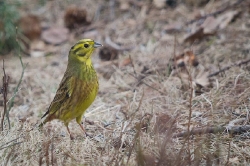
(63, 93)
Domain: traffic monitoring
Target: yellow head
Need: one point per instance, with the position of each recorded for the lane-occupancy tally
(82, 51)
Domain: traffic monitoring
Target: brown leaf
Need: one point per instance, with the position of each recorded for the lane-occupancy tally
(210, 26)
(108, 53)
(75, 16)
(37, 48)
(174, 27)
(125, 62)
(55, 35)
(234, 160)
(202, 79)
(92, 34)
(106, 68)
(124, 5)
(30, 26)
(197, 34)
(159, 3)
(164, 123)
(186, 58)
(226, 18)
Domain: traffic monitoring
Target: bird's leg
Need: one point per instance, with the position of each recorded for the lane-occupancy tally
(83, 129)
(79, 121)
(71, 137)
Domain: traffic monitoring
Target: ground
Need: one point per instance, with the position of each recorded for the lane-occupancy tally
(145, 98)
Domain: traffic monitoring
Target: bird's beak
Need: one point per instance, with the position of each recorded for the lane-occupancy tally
(97, 45)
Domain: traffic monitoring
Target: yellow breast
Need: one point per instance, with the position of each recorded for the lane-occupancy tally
(83, 94)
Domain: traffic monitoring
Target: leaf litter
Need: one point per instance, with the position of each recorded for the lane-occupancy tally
(144, 97)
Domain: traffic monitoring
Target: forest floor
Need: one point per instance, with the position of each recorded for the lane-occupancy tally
(176, 90)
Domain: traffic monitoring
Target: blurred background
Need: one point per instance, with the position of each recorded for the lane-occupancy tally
(167, 65)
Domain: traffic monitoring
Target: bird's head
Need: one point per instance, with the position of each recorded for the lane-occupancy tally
(82, 51)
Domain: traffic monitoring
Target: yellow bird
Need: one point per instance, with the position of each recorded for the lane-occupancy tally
(78, 88)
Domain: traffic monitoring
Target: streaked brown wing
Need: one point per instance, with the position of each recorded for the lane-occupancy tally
(62, 95)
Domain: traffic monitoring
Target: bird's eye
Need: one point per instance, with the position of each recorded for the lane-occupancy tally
(86, 45)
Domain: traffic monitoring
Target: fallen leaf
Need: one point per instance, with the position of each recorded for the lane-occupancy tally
(108, 53)
(106, 68)
(37, 45)
(30, 26)
(185, 58)
(75, 17)
(210, 26)
(234, 160)
(197, 34)
(164, 123)
(174, 27)
(195, 3)
(125, 62)
(55, 35)
(37, 48)
(202, 79)
(226, 18)
(159, 3)
(124, 5)
(92, 34)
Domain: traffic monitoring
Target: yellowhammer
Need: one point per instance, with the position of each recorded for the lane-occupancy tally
(78, 88)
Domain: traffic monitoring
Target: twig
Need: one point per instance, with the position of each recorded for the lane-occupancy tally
(116, 46)
(147, 84)
(111, 9)
(51, 151)
(132, 63)
(9, 142)
(15, 91)
(137, 133)
(228, 67)
(228, 153)
(190, 110)
(7, 158)
(233, 122)
(11, 103)
(5, 145)
(11, 145)
(175, 63)
(217, 129)
(216, 12)
(4, 91)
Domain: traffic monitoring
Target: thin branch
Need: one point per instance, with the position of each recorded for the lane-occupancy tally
(139, 79)
(137, 133)
(9, 142)
(18, 85)
(11, 103)
(116, 46)
(52, 151)
(190, 110)
(4, 91)
(132, 63)
(11, 145)
(228, 153)
(214, 130)
(228, 67)
(216, 12)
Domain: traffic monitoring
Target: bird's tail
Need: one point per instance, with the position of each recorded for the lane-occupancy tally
(42, 123)
(47, 119)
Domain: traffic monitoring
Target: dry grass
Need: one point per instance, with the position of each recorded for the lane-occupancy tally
(133, 119)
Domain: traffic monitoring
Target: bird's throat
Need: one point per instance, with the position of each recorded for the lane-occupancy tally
(84, 70)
